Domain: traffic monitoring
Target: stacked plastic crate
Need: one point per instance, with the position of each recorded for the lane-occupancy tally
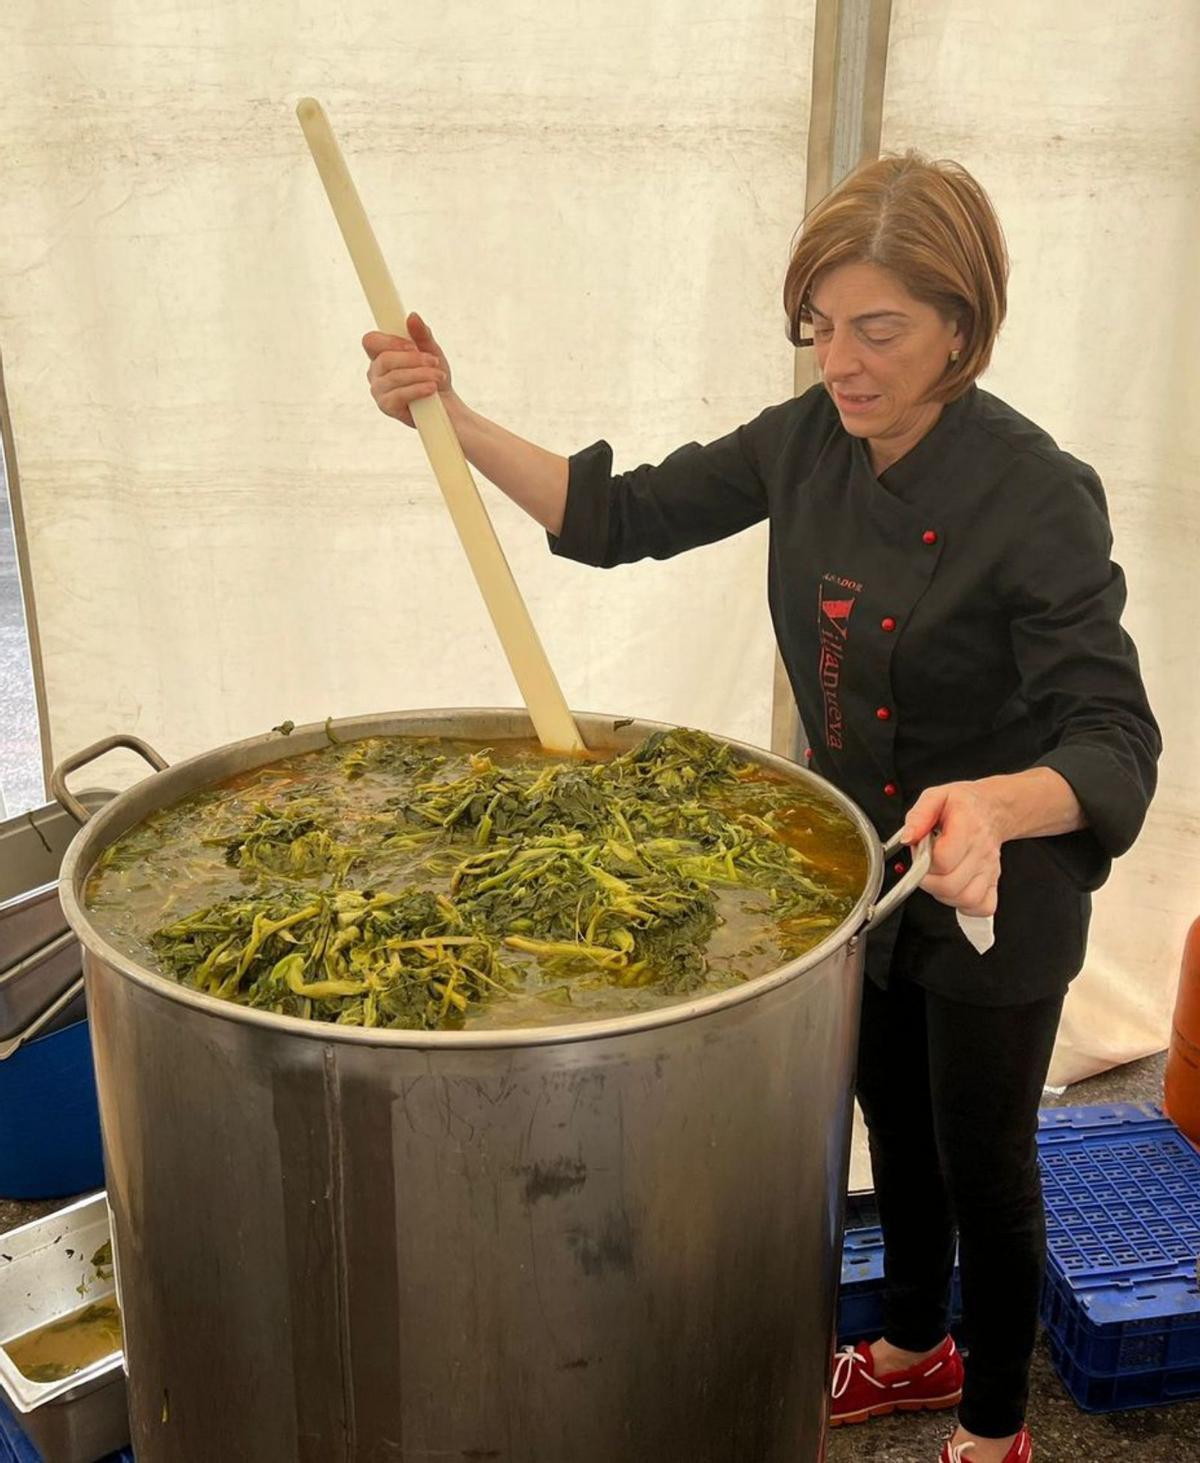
(1122, 1300)
(1122, 1304)
(860, 1298)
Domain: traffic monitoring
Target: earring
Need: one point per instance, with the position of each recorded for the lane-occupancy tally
(954, 355)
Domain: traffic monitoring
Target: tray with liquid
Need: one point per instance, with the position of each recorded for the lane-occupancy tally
(61, 1362)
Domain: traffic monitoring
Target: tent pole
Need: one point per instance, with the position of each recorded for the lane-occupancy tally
(8, 448)
(850, 45)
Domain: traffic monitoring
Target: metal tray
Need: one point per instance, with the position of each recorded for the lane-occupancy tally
(48, 1020)
(42, 1266)
(28, 988)
(75, 1010)
(32, 846)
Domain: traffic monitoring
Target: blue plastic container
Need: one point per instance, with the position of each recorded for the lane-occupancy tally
(860, 1297)
(1121, 1304)
(1121, 1391)
(1122, 1201)
(1069, 1124)
(1126, 1326)
(49, 1122)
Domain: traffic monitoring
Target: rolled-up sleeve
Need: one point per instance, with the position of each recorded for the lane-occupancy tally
(1079, 669)
(697, 495)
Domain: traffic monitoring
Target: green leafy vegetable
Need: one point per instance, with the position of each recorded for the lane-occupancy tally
(411, 882)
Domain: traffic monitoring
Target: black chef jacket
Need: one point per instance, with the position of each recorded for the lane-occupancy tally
(956, 617)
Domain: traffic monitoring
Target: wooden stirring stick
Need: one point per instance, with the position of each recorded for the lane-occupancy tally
(553, 722)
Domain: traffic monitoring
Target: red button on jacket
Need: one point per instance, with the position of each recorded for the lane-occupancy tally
(888, 624)
(883, 713)
(890, 789)
(929, 537)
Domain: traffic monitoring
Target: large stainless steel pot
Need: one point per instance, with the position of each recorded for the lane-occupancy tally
(605, 1243)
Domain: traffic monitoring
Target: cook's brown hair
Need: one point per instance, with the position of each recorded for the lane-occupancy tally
(934, 228)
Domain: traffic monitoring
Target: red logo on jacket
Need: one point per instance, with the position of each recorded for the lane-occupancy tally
(833, 623)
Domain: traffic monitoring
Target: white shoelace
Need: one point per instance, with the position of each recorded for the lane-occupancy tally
(958, 1453)
(843, 1369)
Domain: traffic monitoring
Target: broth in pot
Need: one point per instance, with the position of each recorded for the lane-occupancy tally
(430, 883)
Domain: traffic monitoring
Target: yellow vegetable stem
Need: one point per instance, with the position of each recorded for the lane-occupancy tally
(263, 928)
(291, 969)
(600, 954)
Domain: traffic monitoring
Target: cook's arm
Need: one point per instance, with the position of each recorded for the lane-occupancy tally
(534, 478)
(1039, 803)
(1082, 685)
(697, 495)
(402, 371)
(1079, 668)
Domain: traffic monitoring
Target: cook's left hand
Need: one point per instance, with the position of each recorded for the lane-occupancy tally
(966, 854)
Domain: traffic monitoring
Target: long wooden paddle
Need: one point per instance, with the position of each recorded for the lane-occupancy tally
(553, 722)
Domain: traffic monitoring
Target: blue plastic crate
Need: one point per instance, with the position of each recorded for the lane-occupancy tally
(1122, 1194)
(1068, 1124)
(15, 1447)
(860, 1291)
(1122, 1391)
(1121, 1304)
(1126, 1326)
(860, 1297)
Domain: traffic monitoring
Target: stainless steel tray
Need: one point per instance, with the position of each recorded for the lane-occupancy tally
(32, 846)
(28, 988)
(52, 1019)
(42, 1267)
(75, 1010)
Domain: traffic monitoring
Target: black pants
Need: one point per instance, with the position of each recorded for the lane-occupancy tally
(950, 1094)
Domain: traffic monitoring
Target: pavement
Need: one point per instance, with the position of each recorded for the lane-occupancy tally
(21, 785)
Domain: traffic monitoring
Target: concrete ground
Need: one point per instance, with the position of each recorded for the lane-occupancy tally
(1061, 1432)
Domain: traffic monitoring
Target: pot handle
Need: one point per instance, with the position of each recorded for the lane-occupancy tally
(922, 857)
(58, 778)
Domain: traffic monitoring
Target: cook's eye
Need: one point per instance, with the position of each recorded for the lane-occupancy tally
(879, 339)
(822, 332)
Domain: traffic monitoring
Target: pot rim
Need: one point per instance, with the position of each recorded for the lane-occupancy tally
(181, 779)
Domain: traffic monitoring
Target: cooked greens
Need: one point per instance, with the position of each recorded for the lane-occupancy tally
(403, 882)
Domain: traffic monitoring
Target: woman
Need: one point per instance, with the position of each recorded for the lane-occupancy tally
(941, 589)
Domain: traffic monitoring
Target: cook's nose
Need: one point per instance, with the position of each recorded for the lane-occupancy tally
(841, 359)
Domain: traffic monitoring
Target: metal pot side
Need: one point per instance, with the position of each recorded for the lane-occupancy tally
(602, 1243)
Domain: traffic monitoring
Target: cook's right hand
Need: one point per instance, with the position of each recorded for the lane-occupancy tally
(402, 371)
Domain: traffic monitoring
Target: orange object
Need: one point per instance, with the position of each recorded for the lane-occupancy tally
(1181, 1092)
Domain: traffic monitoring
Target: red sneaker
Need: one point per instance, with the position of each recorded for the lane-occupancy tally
(859, 1395)
(1020, 1452)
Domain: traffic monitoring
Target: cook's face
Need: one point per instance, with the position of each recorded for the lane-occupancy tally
(880, 351)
